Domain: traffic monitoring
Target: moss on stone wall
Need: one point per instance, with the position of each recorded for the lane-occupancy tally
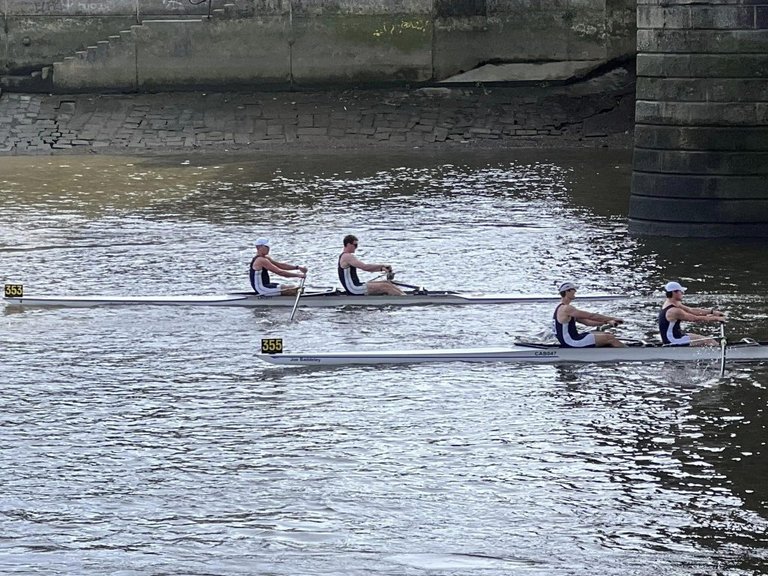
(400, 32)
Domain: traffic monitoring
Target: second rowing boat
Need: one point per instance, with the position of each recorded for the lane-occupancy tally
(745, 351)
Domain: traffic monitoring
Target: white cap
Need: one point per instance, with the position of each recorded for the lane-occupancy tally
(262, 242)
(673, 287)
(566, 286)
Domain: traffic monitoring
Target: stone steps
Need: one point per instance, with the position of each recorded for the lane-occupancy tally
(115, 55)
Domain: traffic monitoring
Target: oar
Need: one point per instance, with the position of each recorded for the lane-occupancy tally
(411, 286)
(299, 292)
(722, 349)
(389, 274)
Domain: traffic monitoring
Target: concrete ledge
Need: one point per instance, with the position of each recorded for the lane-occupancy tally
(526, 72)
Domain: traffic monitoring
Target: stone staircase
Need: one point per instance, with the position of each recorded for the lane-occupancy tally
(115, 55)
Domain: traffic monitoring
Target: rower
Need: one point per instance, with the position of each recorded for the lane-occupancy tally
(262, 264)
(347, 269)
(564, 323)
(673, 311)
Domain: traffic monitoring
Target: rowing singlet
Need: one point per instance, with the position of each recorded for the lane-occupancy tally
(671, 333)
(260, 281)
(350, 281)
(569, 336)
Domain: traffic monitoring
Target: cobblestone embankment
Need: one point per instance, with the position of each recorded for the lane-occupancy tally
(585, 115)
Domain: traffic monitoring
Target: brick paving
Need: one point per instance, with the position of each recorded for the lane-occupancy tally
(424, 118)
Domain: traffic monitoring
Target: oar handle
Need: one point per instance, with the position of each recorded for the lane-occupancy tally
(388, 274)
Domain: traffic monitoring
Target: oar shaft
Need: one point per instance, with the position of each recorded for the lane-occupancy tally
(299, 292)
(402, 285)
(723, 344)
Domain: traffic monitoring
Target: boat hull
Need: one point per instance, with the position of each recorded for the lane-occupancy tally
(309, 300)
(527, 355)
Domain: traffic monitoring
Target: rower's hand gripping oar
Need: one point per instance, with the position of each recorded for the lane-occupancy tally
(299, 292)
(386, 273)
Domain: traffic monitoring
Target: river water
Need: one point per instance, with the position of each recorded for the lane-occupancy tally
(150, 440)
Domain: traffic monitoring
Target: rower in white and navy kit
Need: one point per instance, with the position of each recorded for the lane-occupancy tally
(349, 264)
(564, 323)
(673, 311)
(569, 336)
(671, 333)
(262, 265)
(349, 280)
(260, 281)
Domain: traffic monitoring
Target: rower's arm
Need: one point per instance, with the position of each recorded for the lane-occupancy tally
(706, 312)
(357, 263)
(699, 314)
(691, 315)
(278, 268)
(593, 318)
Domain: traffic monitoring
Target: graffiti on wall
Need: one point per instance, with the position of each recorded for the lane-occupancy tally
(173, 5)
(97, 7)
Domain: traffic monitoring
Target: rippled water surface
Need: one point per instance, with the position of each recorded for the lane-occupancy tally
(150, 440)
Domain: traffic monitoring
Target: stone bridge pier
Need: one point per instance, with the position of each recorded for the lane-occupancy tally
(701, 119)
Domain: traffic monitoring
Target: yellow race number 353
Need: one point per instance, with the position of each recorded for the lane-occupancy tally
(14, 290)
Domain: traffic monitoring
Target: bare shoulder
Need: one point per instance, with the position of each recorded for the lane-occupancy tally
(676, 312)
(565, 310)
(672, 307)
(258, 262)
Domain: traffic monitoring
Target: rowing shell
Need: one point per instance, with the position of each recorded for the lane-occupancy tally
(534, 354)
(308, 299)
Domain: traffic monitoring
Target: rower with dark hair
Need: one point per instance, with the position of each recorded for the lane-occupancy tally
(347, 269)
(564, 323)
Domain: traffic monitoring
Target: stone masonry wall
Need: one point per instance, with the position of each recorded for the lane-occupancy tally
(595, 113)
(122, 45)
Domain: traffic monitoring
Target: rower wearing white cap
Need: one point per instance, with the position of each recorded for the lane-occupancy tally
(262, 264)
(673, 311)
(564, 323)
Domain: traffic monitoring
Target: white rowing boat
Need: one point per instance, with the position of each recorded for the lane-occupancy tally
(308, 299)
(745, 351)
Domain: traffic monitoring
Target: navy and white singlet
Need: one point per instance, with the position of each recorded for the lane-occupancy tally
(569, 336)
(670, 332)
(260, 281)
(350, 281)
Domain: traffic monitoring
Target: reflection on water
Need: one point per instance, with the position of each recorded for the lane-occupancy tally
(152, 441)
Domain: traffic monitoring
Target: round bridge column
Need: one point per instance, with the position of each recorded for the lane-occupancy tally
(701, 119)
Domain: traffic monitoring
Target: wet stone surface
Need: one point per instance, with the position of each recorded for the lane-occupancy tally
(595, 113)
